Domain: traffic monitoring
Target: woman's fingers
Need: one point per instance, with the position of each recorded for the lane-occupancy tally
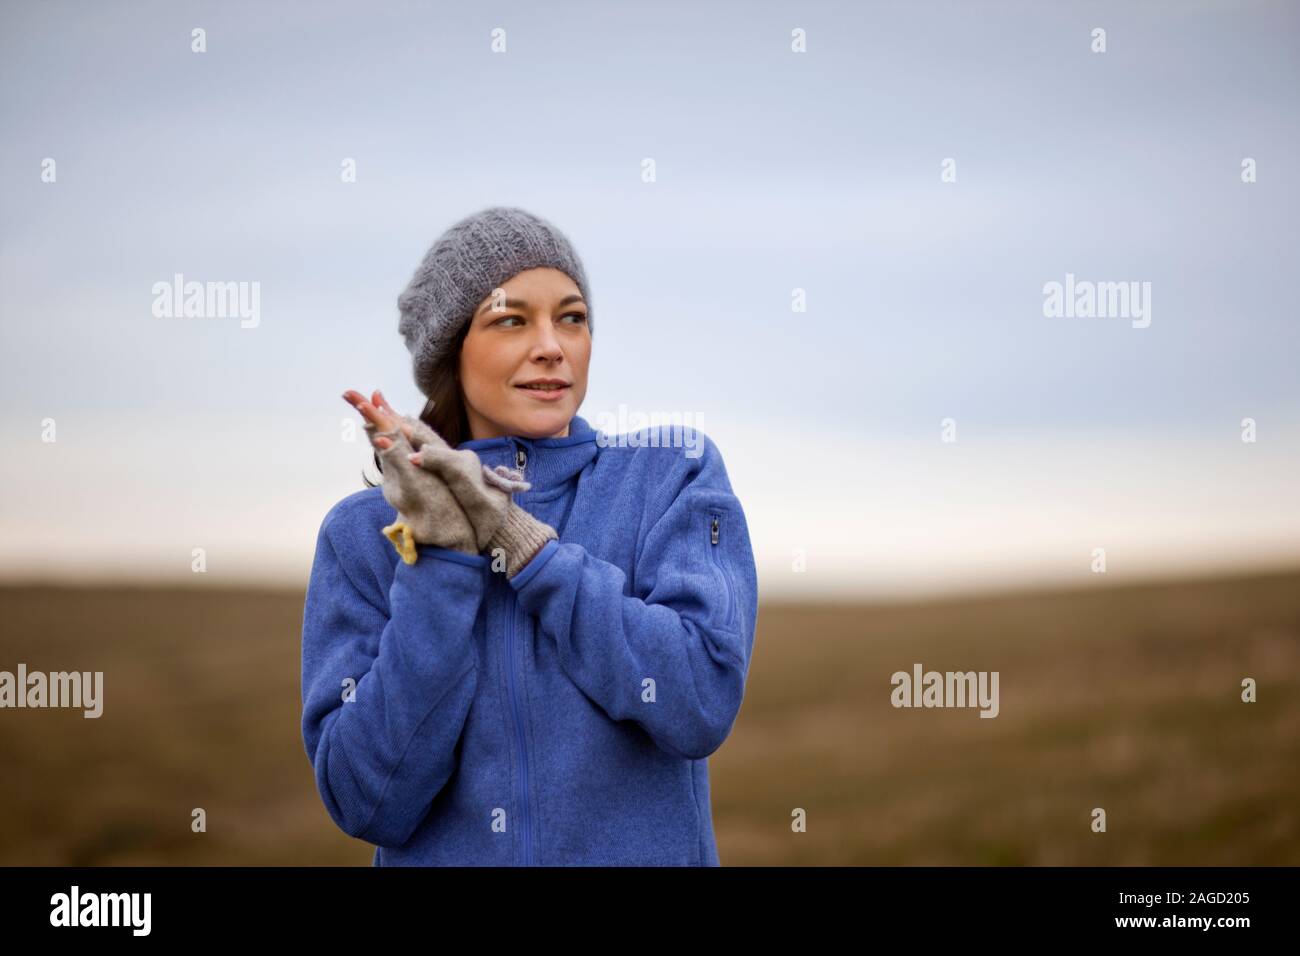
(358, 401)
(378, 400)
(382, 417)
(378, 417)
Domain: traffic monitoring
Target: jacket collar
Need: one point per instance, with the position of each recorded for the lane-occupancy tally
(548, 461)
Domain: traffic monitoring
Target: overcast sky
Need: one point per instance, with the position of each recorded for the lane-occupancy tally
(775, 171)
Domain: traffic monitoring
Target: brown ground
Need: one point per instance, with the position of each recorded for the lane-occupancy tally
(1122, 698)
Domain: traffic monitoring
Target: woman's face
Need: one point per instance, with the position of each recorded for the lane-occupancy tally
(540, 332)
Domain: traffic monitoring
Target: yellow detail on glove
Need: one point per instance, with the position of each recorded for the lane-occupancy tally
(403, 538)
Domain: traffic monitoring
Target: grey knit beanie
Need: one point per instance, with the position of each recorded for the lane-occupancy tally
(474, 256)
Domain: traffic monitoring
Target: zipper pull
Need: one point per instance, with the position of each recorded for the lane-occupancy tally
(714, 531)
(521, 458)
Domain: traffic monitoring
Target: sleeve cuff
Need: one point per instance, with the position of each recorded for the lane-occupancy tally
(451, 554)
(532, 567)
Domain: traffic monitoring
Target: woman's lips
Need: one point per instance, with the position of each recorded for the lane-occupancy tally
(544, 394)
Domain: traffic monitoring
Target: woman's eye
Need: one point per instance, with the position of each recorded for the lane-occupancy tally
(580, 316)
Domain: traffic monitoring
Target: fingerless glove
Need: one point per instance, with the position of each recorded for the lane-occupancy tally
(501, 527)
(427, 511)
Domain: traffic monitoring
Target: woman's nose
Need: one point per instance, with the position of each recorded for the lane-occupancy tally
(546, 342)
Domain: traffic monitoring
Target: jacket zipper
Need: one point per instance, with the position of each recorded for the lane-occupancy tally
(513, 682)
(512, 679)
(717, 563)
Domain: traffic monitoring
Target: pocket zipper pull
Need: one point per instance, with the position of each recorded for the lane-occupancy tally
(714, 531)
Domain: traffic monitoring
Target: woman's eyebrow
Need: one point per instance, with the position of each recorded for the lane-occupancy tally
(521, 304)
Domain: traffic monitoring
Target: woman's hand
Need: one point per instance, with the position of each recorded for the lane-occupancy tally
(482, 493)
(427, 511)
(443, 494)
(382, 419)
(485, 494)
(379, 416)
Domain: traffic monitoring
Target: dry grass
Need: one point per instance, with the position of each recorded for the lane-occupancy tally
(1123, 698)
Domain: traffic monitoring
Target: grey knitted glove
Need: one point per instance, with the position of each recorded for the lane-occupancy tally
(501, 527)
(427, 511)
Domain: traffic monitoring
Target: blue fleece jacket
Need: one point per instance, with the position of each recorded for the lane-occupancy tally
(562, 717)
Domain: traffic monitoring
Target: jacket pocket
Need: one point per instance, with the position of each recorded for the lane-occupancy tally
(716, 529)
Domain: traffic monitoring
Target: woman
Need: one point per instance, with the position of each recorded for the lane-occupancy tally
(521, 648)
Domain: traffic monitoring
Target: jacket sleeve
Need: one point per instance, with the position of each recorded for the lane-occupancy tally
(386, 690)
(674, 655)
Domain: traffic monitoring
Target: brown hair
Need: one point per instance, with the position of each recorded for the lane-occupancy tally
(444, 411)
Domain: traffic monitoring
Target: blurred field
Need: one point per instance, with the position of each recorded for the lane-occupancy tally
(1127, 698)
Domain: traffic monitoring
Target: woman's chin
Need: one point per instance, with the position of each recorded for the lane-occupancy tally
(544, 422)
